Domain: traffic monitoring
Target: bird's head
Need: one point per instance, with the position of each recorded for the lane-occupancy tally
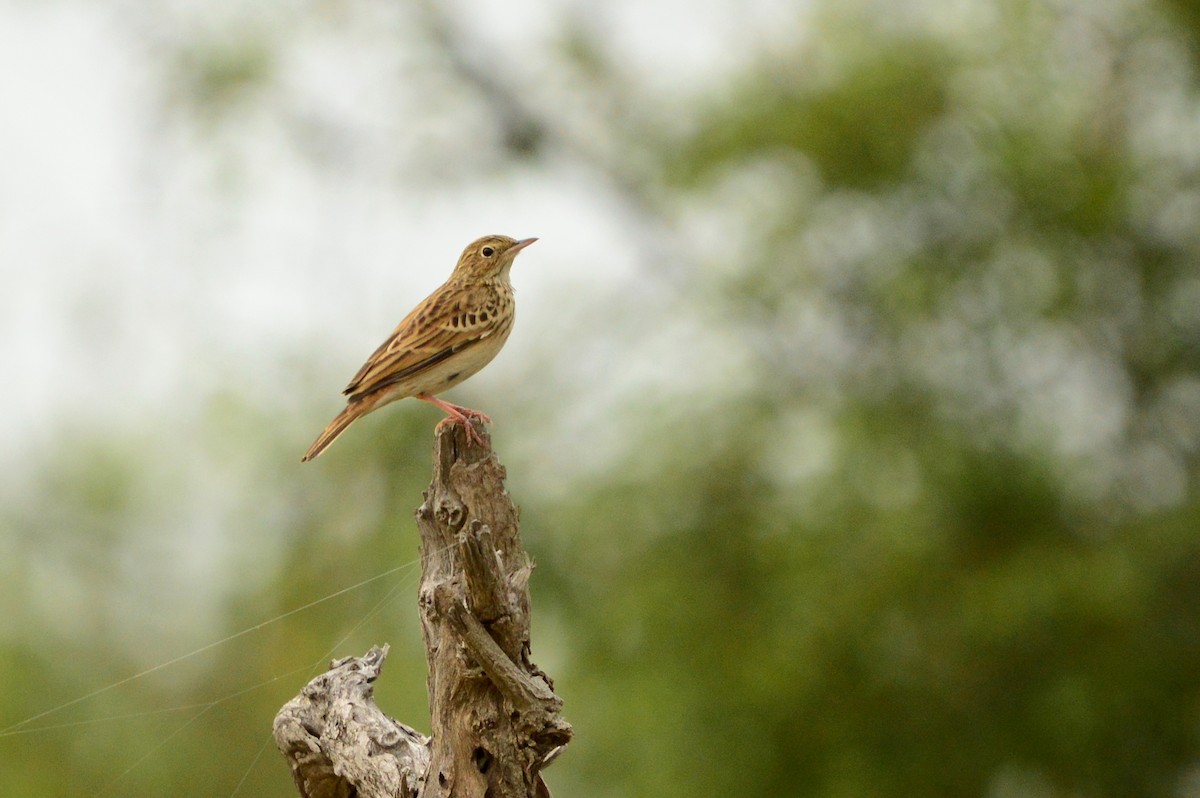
(489, 258)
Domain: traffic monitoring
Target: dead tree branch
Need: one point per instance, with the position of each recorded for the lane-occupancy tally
(496, 720)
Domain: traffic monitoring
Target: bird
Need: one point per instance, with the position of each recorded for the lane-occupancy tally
(448, 337)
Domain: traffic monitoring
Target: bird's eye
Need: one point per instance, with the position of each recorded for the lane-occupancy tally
(487, 252)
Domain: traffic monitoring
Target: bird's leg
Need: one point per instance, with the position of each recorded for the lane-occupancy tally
(457, 415)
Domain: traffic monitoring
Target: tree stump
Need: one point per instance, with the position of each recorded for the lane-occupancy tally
(495, 718)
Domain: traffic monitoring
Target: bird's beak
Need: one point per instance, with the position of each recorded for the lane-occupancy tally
(520, 245)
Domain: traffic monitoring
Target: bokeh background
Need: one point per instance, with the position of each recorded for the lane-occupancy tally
(853, 404)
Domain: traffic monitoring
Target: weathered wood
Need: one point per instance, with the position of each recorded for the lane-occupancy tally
(339, 744)
(496, 720)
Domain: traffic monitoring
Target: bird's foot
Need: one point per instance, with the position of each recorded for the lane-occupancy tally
(458, 415)
(469, 413)
(468, 427)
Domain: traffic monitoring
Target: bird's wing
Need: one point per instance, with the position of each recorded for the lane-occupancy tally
(450, 320)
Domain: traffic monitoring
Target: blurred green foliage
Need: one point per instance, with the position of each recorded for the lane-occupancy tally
(860, 131)
(938, 536)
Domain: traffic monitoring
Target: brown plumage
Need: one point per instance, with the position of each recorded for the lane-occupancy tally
(450, 336)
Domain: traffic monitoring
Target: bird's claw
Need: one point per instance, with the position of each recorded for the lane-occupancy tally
(465, 421)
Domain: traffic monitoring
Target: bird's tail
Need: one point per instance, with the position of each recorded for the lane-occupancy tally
(336, 428)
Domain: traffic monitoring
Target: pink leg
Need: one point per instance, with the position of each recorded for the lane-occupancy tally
(457, 415)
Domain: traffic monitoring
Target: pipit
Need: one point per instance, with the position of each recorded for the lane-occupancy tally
(454, 333)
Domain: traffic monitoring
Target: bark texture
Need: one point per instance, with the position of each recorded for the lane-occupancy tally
(340, 745)
(495, 718)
